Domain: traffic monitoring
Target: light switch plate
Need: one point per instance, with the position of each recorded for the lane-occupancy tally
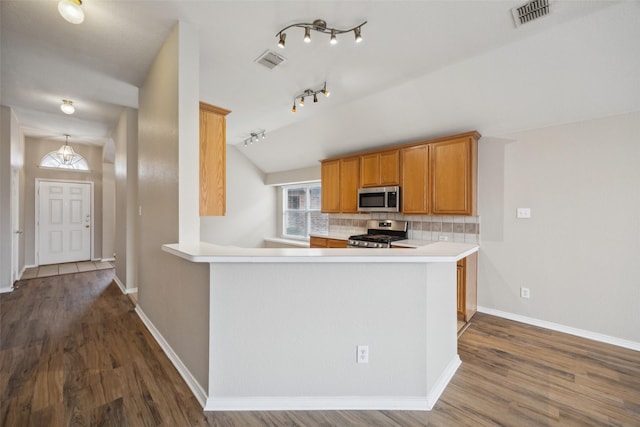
(523, 213)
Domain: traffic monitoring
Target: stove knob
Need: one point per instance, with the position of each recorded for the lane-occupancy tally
(365, 244)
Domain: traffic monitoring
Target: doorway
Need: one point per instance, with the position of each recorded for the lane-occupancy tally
(64, 221)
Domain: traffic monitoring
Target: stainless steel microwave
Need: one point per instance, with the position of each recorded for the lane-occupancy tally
(379, 199)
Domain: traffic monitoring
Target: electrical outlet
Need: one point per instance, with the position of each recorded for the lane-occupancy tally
(523, 213)
(363, 354)
(524, 293)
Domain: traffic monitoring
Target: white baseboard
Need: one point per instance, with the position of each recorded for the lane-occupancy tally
(196, 388)
(124, 289)
(337, 403)
(108, 259)
(443, 381)
(5, 289)
(607, 339)
(332, 403)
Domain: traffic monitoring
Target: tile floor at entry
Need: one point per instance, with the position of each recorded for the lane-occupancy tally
(67, 268)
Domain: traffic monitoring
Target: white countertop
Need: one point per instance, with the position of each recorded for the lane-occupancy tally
(210, 253)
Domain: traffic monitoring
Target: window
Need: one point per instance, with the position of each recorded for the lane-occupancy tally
(301, 211)
(51, 160)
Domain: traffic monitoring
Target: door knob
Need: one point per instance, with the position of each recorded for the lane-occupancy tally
(86, 226)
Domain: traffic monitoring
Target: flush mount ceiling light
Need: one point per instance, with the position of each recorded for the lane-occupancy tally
(310, 93)
(71, 11)
(320, 26)
(67, 107)
(255, 136)
(66, 153)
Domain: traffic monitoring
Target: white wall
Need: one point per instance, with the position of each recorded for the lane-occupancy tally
(579, 252)
(251, 208)
(172, 293)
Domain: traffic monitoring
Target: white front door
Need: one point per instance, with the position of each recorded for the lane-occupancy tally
(64, 222)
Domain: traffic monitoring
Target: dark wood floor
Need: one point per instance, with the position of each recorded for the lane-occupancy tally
(72, 352)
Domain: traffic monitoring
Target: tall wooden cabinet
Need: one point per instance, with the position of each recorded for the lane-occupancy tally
(453, 176)
(330, 175)
(349, 183)
(415, 179)
(440, 177)
(340, 182)
(213, 157)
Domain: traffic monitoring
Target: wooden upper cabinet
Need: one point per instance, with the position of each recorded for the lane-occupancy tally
(415, 179)
(453, 173)
(380, 169)
(330, 175)
(349, 183)
(213, 156)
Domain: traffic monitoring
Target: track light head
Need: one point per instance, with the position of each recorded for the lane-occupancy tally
(358, 34)
(293, 110)
(334, 39)
(71, 11)
(283, 36)
(315, 98)
(302, 101)
(307, 35)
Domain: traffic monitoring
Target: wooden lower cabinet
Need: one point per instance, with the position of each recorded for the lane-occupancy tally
(325, 242)
(467, 278)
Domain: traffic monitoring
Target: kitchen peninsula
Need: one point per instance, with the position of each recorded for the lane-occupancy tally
(284, 326)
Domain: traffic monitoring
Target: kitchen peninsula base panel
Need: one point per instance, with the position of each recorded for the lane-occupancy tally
(284, 335)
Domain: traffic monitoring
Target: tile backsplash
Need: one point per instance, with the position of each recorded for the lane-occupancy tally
(421, 227)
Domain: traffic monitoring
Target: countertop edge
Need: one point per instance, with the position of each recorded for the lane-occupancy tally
(203, 252)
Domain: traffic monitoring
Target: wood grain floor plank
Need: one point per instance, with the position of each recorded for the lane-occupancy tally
(74, 353)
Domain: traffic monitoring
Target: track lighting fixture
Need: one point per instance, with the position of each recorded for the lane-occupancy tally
(71, 11)
(67, 107)
(309, 92)
(256, 136)
(320, 26)
(357, 32)
(283, 36)
(66, 153)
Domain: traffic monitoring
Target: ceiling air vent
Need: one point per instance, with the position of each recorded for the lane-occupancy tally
(529, 11)
(270, 59)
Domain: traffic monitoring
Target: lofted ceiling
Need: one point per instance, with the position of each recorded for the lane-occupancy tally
(425, 68)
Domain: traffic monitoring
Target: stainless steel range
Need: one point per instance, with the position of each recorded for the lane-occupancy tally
(380, 234)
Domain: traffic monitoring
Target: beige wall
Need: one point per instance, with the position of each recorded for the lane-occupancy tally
(172, 293)
(35, 149)
(251, 207)
(578, 253)
(108, 211)
(11, 167)
(126, 198)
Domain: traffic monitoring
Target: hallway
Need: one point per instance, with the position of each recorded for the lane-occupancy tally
(66, 268)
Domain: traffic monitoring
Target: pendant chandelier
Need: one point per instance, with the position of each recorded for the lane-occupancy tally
(66, 153)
